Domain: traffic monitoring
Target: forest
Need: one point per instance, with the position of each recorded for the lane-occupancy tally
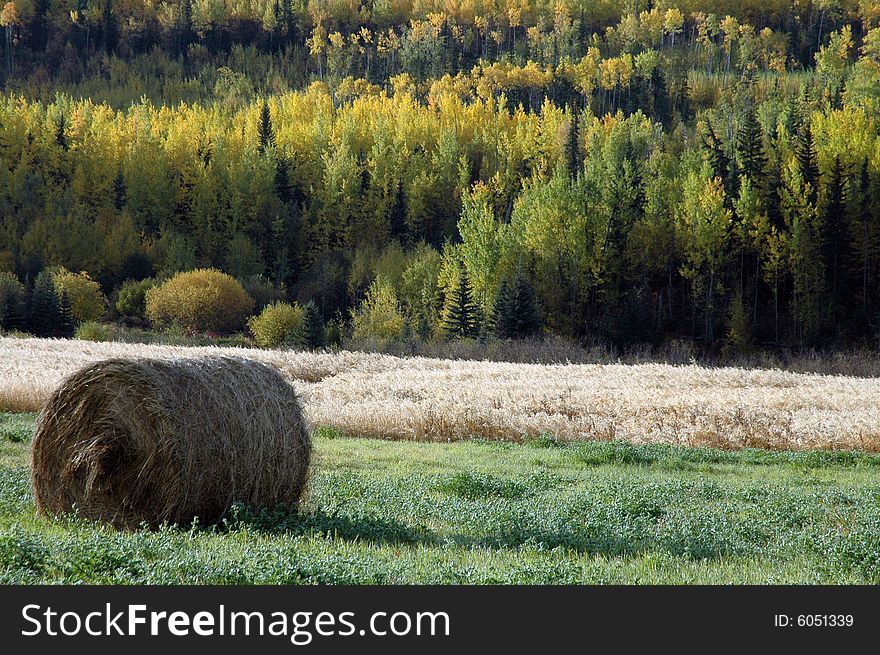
(607, 172)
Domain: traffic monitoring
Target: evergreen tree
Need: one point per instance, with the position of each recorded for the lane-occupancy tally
(808, 161)
(66, 325)
(312, 332)
(720, 163)
(526, 317)
(11, 303)
(461, 316)
(119, 190)
(750, 146)
(60, 135)
(502, 311)
(45, 311)
(109, 28)
(282, 179)
(265, 132)
(867, 217)
(834, 229)
(186, 30)
(572, 145)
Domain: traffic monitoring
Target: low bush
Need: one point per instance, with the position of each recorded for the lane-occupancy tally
(277, 324)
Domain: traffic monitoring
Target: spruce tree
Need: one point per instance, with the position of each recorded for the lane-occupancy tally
(867, 217)
(45, 310)
(807, 159)
(66, 325)
(11, 303)
(750, 146)
(461, 316)
(60, 135)
(312, 333)
(572, 145)
(119, 190)
(282, 179)
(526, 314)
(720, 163)
(265, 132)
(834, 228)
(502, 311)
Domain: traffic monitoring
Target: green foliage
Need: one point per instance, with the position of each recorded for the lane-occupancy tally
(204, 300)
(379, 316)
(84, 296)
(460, 318)
(12, 302)
(488, 512)
(739, 329)
(515, 313)
(45, 310)
(278, 323)
(92, 331)
(312, 333)
(131, 299)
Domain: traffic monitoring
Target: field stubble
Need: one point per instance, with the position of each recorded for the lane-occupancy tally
(381, 396)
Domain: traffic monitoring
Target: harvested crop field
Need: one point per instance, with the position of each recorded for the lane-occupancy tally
(381, 396)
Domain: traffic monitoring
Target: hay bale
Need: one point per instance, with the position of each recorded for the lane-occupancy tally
(153, 441)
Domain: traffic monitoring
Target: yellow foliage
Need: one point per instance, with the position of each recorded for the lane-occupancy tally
(201, 300)
(87, 302)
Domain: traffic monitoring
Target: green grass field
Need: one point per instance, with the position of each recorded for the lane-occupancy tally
(481, 512)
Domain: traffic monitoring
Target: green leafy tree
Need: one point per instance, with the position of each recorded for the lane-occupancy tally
(379, 316)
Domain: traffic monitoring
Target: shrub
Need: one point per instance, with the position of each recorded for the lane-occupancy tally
(132, 297)
(276, 324)
(87, 302)
(12, 298)
(92, 331)
(204, 300)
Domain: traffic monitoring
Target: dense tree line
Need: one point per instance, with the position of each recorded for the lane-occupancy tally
(655, 172)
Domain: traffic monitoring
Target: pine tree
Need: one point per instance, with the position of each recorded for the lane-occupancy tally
(312, 332)
(60, 135)
(808, 162)
(186, 31)
(265, 132)
(502, 311)
(720, 163)
(45, 311)
(66, 325)
(750, 146)
(119, 190)
(834, 228)
(282, 179)
(11, 310)
(460, 317)
(867, 217)
(572, 145)
(526, 314)
(110, 30)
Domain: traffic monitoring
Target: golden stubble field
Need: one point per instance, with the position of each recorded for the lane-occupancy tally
(382, 396)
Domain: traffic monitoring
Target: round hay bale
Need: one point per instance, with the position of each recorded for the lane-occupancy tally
(154, 441)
